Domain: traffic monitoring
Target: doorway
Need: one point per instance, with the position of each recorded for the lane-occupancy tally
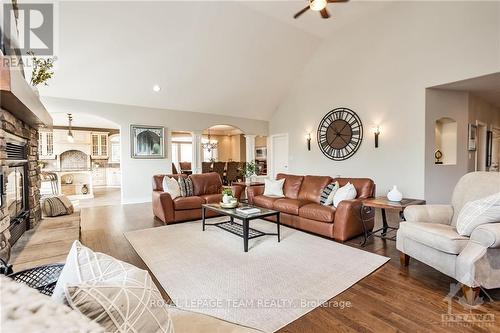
(279, 154)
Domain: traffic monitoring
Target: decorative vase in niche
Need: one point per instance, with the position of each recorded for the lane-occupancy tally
(394, 194)
(85, 189)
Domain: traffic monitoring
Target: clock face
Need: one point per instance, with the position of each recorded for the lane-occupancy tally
(340, 133)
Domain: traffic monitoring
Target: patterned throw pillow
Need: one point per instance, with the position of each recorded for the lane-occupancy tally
(186, 187)
(118, 296)
(477, 212)
(134, 305)
(328, 193)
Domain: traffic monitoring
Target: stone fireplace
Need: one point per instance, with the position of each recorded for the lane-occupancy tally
(25, 172)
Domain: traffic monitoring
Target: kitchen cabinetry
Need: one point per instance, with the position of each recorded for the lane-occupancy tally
(113, 177)
(99, 142)
(46, 145)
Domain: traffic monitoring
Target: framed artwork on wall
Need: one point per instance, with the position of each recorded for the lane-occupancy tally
(147, 141)
(472, 137)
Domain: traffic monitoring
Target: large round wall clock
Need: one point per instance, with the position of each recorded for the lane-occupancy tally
(340, 133)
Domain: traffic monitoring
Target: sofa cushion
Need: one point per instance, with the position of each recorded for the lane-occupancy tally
(312, 187)
(290, 206)
(318, 212)
(183, 203)
(206, 183)
(441, 237)
(211, 198)
(292, 185)
(263, 201)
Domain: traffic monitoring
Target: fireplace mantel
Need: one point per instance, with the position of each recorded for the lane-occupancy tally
(18, 98)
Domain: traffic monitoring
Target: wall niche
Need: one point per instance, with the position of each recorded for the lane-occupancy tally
(445, 141)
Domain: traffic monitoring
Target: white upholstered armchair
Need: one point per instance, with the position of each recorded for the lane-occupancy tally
(430, 236)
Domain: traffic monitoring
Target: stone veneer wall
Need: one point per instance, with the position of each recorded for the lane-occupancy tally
(11, 124)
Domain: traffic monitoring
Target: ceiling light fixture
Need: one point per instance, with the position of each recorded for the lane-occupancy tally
(317, 5)
(70, 133)
(156, 88)
(210, 145)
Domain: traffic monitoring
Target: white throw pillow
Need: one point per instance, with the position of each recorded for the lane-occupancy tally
(477, 212)
(346, 192)
(274, 188)
(171, 186)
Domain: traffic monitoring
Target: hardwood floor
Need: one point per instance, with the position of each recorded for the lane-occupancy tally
(392, 299)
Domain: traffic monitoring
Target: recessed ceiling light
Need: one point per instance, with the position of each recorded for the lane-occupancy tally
(156, 88)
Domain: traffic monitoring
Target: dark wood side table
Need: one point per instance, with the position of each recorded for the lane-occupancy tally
(384, 204)
(245, 185)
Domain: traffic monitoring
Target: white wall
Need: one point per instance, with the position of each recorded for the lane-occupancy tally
(379, 67)
(440, 179)
(137, 173)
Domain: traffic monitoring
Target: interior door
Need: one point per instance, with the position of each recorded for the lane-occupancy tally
(279, 154)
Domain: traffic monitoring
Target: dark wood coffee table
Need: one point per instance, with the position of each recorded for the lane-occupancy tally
(384, 204)
(242, 230)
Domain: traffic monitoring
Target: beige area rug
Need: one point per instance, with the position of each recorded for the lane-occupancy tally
(266, 288)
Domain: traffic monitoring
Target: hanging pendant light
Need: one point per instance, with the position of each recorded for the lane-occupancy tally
(210, 145)
(71, 139)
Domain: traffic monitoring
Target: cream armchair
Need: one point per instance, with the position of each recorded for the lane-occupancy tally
(429, 235)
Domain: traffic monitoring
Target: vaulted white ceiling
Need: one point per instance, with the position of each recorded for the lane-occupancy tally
(230, 58)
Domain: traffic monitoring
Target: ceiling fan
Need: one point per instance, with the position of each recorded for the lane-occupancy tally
(318, 6)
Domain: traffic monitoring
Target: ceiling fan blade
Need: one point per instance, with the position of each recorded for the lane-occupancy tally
(324, 13)
(301, 12)
(334, 1)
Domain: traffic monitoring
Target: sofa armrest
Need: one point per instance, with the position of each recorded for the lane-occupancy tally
(348, 223)
(163, 206)
(487, 235)
(254, 191)
(441, 214)
(237, 190)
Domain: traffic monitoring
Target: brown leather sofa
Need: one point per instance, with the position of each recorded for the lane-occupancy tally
(301, 208)
(207, 189)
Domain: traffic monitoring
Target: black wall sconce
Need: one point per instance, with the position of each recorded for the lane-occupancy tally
(308, 139)
(376, 131)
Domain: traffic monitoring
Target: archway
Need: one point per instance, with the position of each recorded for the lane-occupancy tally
(97, 164)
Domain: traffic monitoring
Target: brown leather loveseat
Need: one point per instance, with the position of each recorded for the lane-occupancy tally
(207, 189)
(301, 208)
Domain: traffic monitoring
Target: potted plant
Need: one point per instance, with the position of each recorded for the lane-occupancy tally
(250, 171)
(227, 195)
(41, 72)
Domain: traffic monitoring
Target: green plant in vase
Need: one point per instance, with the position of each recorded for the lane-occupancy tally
(227, 195)
(42, 70)
(250, 171)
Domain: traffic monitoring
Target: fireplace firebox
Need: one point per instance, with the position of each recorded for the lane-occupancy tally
(15, 186)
